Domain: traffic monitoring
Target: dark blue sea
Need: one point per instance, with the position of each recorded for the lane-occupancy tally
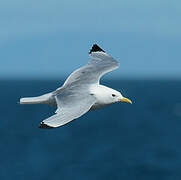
(141, 141)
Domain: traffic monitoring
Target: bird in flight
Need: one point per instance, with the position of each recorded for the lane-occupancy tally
(81, 91)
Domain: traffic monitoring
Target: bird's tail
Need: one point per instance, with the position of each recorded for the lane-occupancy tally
(44, 99)
(31, 100)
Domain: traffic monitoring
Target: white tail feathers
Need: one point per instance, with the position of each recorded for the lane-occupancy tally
(31, 100)
(44, 99)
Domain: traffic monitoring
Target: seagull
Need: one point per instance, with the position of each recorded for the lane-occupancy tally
(81, 92)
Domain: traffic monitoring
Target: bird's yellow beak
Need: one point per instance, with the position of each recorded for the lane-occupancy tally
(126, 100)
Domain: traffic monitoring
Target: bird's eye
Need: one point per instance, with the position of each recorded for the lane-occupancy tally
(113, 95)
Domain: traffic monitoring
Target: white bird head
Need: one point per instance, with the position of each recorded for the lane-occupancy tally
(105, 95)
(115, 96)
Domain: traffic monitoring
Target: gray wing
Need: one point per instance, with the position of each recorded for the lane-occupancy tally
(73, 98)
(70, 106)
(100, 64)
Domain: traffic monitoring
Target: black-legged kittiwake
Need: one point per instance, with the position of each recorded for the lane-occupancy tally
(81, 91)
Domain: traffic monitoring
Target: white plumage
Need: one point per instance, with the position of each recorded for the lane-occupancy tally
(81, 91)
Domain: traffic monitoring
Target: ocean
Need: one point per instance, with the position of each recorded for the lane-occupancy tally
(141, 141)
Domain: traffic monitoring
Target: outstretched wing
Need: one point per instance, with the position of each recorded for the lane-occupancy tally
(70, 106)
(100, 64)
(73, 98)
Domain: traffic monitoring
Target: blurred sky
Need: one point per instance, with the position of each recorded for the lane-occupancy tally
(46, 39)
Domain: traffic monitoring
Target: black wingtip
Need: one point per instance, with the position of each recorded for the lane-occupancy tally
(96, 48)
(44, 126)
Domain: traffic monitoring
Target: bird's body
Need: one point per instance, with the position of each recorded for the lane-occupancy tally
(81, 91)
